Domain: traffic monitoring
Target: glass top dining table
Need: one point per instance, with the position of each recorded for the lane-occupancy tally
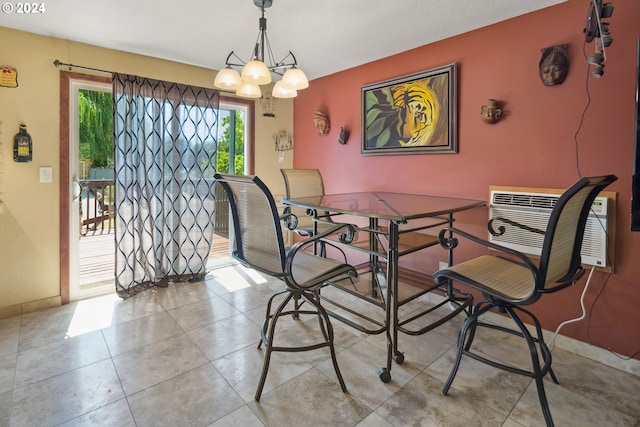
(386, 211)
(396, 207)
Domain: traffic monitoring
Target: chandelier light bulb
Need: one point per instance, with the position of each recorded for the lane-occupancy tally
(294, 79)
(281, 92)
(249, 90)
(256, 72)
(228, 79)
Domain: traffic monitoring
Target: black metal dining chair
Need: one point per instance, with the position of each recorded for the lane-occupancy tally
(510, 280)
(258, 243)
(302, 183)
(308, 183)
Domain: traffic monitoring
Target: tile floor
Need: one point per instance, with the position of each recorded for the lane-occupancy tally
(186, 356)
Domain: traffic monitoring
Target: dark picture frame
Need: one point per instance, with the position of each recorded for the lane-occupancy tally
(412, 114)
(635, 184)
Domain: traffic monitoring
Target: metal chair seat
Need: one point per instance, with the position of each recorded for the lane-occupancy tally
(496, 276)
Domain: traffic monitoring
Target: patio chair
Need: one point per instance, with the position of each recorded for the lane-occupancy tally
(509, 280)
(307, 183)
(258, 243)
(302, 183)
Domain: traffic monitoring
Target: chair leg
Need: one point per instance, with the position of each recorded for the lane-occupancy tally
(267, 317)
(268, 339)
(268, 333)
(321, 321)
(296, 304)
(466, 337)
(538, 373)
(469, 327)
(329, 338)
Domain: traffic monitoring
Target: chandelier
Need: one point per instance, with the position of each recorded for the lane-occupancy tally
(258, 70)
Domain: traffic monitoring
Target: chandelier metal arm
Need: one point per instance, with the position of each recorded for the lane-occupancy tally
(233, 64)
(276, 67)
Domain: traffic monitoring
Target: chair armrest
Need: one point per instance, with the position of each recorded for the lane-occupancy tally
(346, 236)
(450, 242)
(502, 229)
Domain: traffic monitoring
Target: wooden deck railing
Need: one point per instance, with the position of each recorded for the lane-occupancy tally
(96, 204)
(221, 224)
(97, 209)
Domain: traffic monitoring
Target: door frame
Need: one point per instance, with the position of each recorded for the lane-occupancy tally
(66, 192)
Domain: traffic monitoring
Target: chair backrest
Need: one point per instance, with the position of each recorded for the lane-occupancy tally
(257, 240)
(302, 183)
(560, 257)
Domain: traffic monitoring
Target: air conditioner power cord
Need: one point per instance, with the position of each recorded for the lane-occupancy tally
(577, 319)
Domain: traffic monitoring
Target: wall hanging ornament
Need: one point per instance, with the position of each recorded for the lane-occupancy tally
(554, 65)
(491, 112)
(343, 137)
(22, 146)
(321, 121)
(283, 140)
(8, 76)
(596, 29)
(268, 105)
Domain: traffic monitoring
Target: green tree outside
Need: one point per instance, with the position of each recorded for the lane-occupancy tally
(96, 127)
(224, 141)
(96, 133)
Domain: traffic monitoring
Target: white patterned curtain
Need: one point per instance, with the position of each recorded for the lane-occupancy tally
(165, 157)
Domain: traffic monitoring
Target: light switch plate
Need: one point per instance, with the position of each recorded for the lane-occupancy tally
(46, 174)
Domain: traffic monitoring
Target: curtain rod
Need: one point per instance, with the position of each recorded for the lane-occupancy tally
(61, 64)
(57, 63)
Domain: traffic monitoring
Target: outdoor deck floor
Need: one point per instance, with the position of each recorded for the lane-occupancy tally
(97, 256)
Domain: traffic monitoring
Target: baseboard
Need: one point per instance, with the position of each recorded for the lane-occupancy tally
(29, 307)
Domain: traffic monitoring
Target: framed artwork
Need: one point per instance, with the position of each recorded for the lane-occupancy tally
(411, 114)
(635, 183)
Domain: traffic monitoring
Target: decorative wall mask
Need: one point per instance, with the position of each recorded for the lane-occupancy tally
(344, 136)
(321, 121)
(554, 65)
(491, 112)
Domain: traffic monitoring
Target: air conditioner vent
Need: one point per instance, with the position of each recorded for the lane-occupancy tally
(523, 199)
(533, 209)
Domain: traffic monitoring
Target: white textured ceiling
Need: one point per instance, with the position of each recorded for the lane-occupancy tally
(326, 36)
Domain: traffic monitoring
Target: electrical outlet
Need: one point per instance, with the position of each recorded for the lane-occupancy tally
(443, 264)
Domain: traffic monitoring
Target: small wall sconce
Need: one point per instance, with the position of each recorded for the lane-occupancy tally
(269, 105)
(491, 112)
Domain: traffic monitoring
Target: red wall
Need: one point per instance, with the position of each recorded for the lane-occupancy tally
(532, 146)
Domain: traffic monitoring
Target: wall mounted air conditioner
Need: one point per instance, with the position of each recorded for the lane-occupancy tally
(533, 209)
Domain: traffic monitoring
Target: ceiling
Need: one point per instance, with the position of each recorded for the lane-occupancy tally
(326, 36)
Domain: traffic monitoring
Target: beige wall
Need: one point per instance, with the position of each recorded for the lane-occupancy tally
(29, 210)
